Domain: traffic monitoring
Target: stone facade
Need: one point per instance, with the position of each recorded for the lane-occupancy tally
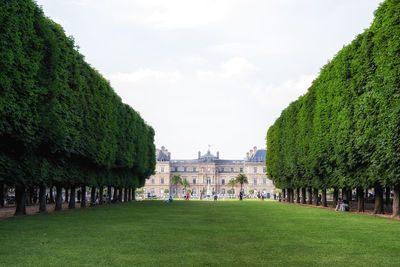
(209, 174)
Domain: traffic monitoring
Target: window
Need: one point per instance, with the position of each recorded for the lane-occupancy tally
(264, 170)
(162, 169)
(255, 181)
(161, 191)
(264, 180)
(221, 169)
(194, 169)
(232, 170)
(241, 169)
(223, 181)
(194, 181)
(255, 169)
(223, 191)
(152, 181)
(162, 180)
(208, 180)
(184, 169)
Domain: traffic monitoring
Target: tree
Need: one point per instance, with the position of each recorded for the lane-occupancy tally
(61, 123)
(185, 184)
(176, 180)
(232, 183)
(166, 191)
(241, 179)
(343, 133)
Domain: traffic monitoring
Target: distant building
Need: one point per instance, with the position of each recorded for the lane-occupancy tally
(209, 174)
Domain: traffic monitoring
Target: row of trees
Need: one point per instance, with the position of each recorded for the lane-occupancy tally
(61, 123)
(344, 133)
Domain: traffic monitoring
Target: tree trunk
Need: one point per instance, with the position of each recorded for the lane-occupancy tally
(101, 192)
(130, 194)
(360, 199)
(396, 201)
(344, 194)
(366, 193)
(109, 193)
(335, 197)
(309, 200)
(115, 197)
(42, 199)
(324, 203)
(66, 195)
(29, 197)
(387, 198)
(298, 195)
(51, 198)
(58, 197)
(303, 195)
(316, 197)
(293, 195)
(93, 196)
(71, 204)
(133, 194)
(2, 195)
(35, 195)
(83, 202)
(126, 194)
(378, 209)
(120, 194)
(284, 195)
(20, 196)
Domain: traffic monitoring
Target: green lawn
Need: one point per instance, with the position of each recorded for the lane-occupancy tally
(200, 233)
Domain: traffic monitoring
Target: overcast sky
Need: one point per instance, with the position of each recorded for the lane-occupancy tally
(210, 72)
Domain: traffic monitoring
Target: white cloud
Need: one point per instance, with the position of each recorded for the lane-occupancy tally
(235, 68)
(145, 75)
(278, 96)
(177, 14)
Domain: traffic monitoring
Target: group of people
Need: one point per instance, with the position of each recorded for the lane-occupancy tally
(261, 196)
(342, 205)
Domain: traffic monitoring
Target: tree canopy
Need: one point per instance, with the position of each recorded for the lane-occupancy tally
(345, 131)
(60, 120)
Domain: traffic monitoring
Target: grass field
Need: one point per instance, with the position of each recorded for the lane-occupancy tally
(200, 233)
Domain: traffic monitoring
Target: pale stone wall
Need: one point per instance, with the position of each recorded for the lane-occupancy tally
(218, 173)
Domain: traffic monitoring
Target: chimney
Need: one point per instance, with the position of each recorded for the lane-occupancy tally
(251, 152)
(163, 148)
(217, 154)
(255, 149)
(199, 154)
(248, 155)
(169, 155)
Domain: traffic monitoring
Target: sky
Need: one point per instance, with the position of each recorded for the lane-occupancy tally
(212, 73)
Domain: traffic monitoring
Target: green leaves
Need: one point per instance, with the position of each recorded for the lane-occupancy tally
(60, 120)
(345, 131)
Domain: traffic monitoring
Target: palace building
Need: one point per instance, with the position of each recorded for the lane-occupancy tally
(209, 174)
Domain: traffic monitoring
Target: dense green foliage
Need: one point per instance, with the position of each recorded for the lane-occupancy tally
(60, 120)
(345, 131)
(200, 233)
